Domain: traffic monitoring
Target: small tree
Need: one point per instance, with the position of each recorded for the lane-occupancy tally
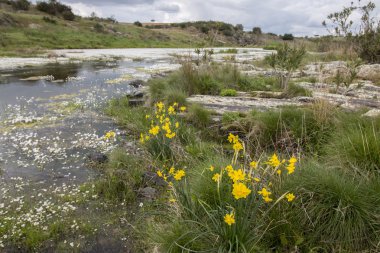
(256, 30)
(288, 36)
(286, 61)
(138, 23)
(20, 5)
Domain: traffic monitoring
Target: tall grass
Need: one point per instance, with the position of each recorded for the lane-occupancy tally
(335, 212)
(356, 145)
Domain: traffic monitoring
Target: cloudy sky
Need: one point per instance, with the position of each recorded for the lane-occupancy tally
(300, 17)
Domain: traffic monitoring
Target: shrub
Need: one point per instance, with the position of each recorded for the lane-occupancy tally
(288, 59)
(356, 145)
(21, 5)
(123, 177)
(198, 116)
(99, 28)
(256, 30)
(137, 23)
(287, 36)
(295, 90)
(339, 212)
(68, 15)
(49, 20)
(228, 93)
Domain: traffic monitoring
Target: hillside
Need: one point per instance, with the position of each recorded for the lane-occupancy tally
(30, 32)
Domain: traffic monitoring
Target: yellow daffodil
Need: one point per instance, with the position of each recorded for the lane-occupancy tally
(179, 175)
(182, 108)
(274, 161)
(229, 219)
(240, 190)
(236, 175)
(290, 197)
(216, 177)
(211, 168)
(253, 164)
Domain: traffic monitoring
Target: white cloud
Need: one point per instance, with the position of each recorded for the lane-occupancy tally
(300, 17)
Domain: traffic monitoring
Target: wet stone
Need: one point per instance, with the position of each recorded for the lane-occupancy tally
(97, 157)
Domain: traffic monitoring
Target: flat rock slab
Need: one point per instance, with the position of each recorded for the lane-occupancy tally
(240, 104)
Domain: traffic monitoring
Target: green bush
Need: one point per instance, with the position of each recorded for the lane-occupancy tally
(295, 90)
(21, 5)
(198, 116)
(123, 177)
(228, 93)
(335, 212)
(356, 145)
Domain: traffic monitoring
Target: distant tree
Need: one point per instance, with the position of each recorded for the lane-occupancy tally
(112, 19)
(239, 27)
(53, 7)
(68, 15)
(256, 30)
(20, 5)
(138, 23)
(287, 36)
(93, 16)
(152, 20)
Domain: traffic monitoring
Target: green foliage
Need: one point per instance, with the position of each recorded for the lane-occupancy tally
(256, 30)
(131, 118)
(49, 20)
(99, 28)
(198, 116)
(228, 93)
(123, 177)
(228, 51)
(56, 8)
(287, 36)
(287, 59)
(138, 23)
(356, 145)
(21, 5)
(295, 90)
(339, 212)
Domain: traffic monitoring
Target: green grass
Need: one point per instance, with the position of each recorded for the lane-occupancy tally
(334, 212)
(228, 93)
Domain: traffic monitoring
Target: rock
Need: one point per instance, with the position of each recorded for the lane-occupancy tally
(97, 157)
(153, 178)
(137, 83)
(136, 102)
(148, 193)
(137, 94)
(369, 71)
(305, 99)
(372, 113)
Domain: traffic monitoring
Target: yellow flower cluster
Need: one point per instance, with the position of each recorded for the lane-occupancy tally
(172, 173)
(110, 135)
(237, 145)
(163, 123)
(257, 176)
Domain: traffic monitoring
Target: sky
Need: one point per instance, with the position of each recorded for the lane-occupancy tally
(299, 17)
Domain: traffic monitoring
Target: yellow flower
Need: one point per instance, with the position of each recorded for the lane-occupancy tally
(109, 135)
(175, 104)
(179, 175)
(142, 138)
(292, 160)
(264, 192)
(254, 164)
(172, 200)
(176, 125)
(170, 135)
(233, 138)
(237, 146)
(229, 168)
(240, 190)
(147, 116)
(216, 177)
(211, 168)
(279, 172)
(290, 168)
(171, 110)
(236, 175)
(290, 197)
(159, 173)
(172, 170)
(160, 106)
(273, 161)
(154, 130)
(182, 108)
(267, 199)
(256, 179)
(229, 219)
